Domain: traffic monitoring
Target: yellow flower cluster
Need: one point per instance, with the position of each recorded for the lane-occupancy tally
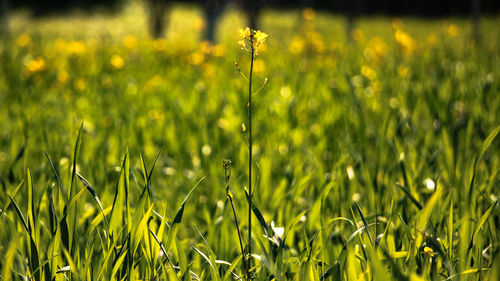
(405, 41)
(36, 65)
(254, 38)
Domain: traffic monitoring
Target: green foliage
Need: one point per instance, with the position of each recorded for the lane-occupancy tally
(375, 158)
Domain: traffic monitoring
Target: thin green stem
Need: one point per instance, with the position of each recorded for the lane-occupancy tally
(227, 175)
(245, 266)
(250, 194)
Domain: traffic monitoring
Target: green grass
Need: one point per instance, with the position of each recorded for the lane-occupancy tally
(111, 149)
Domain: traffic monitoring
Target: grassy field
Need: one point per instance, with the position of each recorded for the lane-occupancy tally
(374, 157)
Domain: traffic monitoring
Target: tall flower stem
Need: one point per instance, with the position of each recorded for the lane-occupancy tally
(250, 192)
(227, 174)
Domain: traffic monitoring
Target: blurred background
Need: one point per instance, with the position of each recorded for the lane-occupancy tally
(158, 11)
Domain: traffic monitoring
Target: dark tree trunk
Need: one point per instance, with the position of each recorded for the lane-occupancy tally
(252, 9)
(157, 10)
(213, 9)
(354, 9)
(4, 17)
(476, 13)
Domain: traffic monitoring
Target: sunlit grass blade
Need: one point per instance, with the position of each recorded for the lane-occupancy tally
(480, 223)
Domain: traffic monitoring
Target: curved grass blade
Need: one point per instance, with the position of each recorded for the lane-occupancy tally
(14, 192)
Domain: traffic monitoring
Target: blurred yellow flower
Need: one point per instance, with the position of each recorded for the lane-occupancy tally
(452, 30)
(376, 85)
(297, 45)
(198, 24)
(23, 40)
(160, 44)
(81, 84)
(379, 46)
(403, 71)
(368, 72)
(117, 62)
(405, 41)
(60, 45)
(432, 39)
(197, 58)
(206, 47)
(308, 14)
(62, 77)
(76, 47)
(218, 51)
(130, 42)
(36, 65)
(396, 23)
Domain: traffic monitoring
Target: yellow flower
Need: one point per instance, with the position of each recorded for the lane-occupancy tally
(260, 36)
(243, 128)
(245, 33)
(62, 77)
(405, 41)
(23, 40)
(452, 30)
(81, 84)
(160, 44)
(76, 47)
(428, 251)
(308, 14)
(242, 43)
(368, 72)
(254, 37)
(130, 42)
(36, 65)
(403, 71)
(117, 62)
(297, 45)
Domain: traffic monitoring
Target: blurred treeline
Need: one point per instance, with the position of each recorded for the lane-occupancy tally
(388, 7)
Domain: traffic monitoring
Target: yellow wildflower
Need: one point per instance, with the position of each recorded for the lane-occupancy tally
(76, 47)
(368, 72)
(243, 128)
(23, 40)
(297, 45)
(260, 37)
(245, 33)
(308, 14)
(160, 44)
(197, 58)
(403, 71)
(36, 65)
(254, 37)
(81, 84)
(117, 62)
(405, 41)
(452, 30)
(62, 77)
(130, 42)
(428, 251)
